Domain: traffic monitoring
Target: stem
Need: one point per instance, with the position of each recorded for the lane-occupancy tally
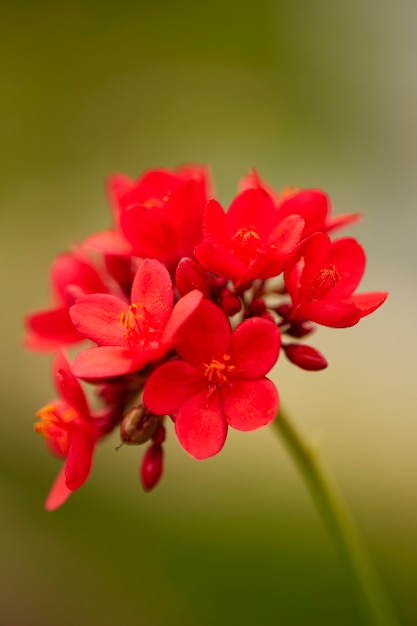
(338, 521)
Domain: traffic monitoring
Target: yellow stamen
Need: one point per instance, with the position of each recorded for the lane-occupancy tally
(216, 371)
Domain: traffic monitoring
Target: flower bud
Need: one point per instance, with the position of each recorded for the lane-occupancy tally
(306, 357)
(159, 435)
(152, 467)
(258, 306)
(300, 329)
(138, 426)
(230, 303)
(191, 275)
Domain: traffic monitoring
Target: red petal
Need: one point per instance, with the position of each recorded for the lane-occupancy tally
(59, 492)
(313, 252)
(249, 404)
(68, 386)
(54, 325)
(109, 361)
(183, 309)
(311, 204)
(117, 186)
(73, 269)
(98, 318)
(79, 460)
(206, 335)
(149, 232)
(255, 348)
(368, 302)
(215, 224)
(219, 261)
(200, 425)
(110, 242)
(348, 256)
(152, 288)
(252, 208)
(341, 221)
(336, 314)
(253, 180)
(283, 242)
(170, 385)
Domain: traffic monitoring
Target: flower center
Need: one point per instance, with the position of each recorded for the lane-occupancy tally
(326, 280)
(55, 425)
(139, 332)
(216, 371)
(246, 243)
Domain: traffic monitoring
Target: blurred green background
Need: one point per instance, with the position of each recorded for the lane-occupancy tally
(319, 94)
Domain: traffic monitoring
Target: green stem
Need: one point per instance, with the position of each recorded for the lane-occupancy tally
(338, 521)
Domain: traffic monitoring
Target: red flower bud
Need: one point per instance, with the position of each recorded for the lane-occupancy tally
(300, 329)
(258, 306)
(152, 467)
(230, 303)
(191, 275)
(306, 357)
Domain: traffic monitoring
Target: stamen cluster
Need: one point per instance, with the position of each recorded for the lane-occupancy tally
(186, 308)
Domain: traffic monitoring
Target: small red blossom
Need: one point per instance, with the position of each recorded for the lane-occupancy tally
(157, 216)
(71, 275)
(248, 242)
(70, 431)
(219, 382)
(321, 277)
(130, 335)
(313, 205)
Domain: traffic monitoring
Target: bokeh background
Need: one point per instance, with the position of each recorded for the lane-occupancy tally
(314, 94)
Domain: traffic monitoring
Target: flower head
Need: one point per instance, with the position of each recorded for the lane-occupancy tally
(130, 334)
(249, 241)
(321, 277)
(72, 274)
(158, 216)
(219, 381)
(70, 431)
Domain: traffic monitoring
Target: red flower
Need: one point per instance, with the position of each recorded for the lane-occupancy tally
(313, 205)
(71, 275)
(130, 335)
(321, 277)
(250, 241)
(158, 216)
(70, 431)
(220, 380)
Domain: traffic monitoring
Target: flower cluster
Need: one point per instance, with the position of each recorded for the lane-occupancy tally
(186, 308)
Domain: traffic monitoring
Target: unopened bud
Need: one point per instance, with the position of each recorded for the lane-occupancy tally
(191, 275)
(159, 435)
(138, 425)
(258, 306)
(152, 467)
(306, 357)
(284, 311)
(230, 303)
(300, 329)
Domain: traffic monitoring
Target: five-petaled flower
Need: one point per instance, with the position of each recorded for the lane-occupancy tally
(130, 335)
(158, 216)
(72, 275)
(219, 381)
(248, 242)
(321, 277)
(70, 431)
